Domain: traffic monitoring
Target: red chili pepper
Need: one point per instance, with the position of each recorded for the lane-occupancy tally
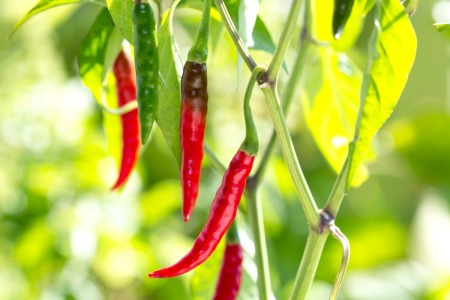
(126, 92)
(230, 276)
(194, 106)
(223, 210)
(226, 202)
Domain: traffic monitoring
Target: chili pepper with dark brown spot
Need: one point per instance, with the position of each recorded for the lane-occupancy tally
(194, 106)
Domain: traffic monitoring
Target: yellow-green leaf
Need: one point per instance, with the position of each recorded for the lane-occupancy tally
(392, 51)
(330, 100)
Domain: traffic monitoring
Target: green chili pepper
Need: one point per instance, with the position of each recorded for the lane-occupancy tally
(147, 65)
(341, 13)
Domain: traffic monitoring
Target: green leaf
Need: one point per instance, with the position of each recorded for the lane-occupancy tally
(44, 5)
(170, 68)
(121, 13)
(262, 38)
(392, 51)
(330, 100)
(97, 53)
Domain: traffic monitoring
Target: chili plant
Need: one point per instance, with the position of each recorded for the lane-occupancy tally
(344, 104)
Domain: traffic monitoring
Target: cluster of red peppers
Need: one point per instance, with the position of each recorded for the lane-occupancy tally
(194, 105)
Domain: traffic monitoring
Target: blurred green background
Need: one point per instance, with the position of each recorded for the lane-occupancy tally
(64, 235)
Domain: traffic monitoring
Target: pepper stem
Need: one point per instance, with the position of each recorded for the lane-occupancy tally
(199, 51)
(250, 144)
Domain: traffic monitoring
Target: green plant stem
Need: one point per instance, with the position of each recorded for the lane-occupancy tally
(251, 142)
(287, 148)
(239, 43)
(287, 98)
(338, 235)
(199, 51)
(255, 217)
(285, 39)
(340, 187)
(308, 266)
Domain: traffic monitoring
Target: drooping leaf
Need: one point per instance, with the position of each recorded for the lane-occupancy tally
(44, 5)
(330, 100)
(121, 13)
(170, 68)
(392, 51)
(262, 40)
(97, 53)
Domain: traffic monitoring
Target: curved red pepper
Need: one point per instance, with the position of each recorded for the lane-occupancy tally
(222, 212)
(126, 92)
(194, 105)
(230, 274)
